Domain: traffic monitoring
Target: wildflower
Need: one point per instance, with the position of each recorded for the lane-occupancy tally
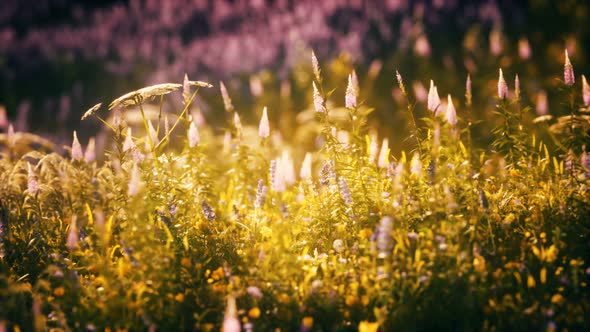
(585, 91)
(137, 96)
(327, 173)
(468, 94)
(91, 111)
(373, 148)
(32, 184)
(286, 168)
(524, 49)
(318, 100)
(400, 82)
(193, 135)
(264, 127)
(351, 92)
(542, 103)
(416, 165)
(153, 134)
(422, 46)
(208, 211)
(433, 98)
(516, 87)
(568, 71)
(227, 104)
(345, 191)
(451, 113)
(383, 239)
(502, 86)
(355, 82)
(261, 192)
(90, 153)
(237, 122)
(128, 144)
(76, 148)
(186, 90)
(316, 67)
(134, 181)
(254, 292)
(305, 172)
(72, 240)
(383, 161)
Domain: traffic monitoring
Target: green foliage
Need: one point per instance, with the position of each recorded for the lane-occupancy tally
(170, 229)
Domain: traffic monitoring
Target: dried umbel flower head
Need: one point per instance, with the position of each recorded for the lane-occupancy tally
(90, 153)
(568, 71)
(76, 149)
(91, 111)
(433, 98)
(502, 86)
(227, 104)
(451, 113)
(137, 96)
(264, 126)
(585, 91)
(318, 100)
(193, 135)
(351, 93)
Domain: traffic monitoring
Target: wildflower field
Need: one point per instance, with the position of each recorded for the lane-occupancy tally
(179, 225)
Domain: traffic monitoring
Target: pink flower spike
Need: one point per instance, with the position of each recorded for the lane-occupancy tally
(227, 104)
(451, 113)
(90, 153)
(318, 101)
(433, 98)
(264, 127)
(585, 91)
(316, 67)
(76, 148)
(193, 135)
(568, 71)
(502, 86)
(350, 98)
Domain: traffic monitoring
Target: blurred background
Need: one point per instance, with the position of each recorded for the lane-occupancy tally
(60, 57)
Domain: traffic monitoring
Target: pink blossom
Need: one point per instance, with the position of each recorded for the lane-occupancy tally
(568, 71)
(502, 86)
(264, 126)
(76, 149)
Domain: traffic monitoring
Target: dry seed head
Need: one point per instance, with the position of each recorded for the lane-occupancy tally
(193, 135)
(305, 172)
(91, 111)
(451, 113)
(400, 82)
(264, 127)
(90, 153)
(227, 104)
(568, 71)
(585, 91)
(350, 97)
(502, 86)
(186, 90)
(318, 100)
(237, 122)
(76, 148)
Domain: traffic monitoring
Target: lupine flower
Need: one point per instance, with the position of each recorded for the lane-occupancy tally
(451, 113)
(345, 191)
(261, 192)
(264, 127)
(32, 184)
(585, 91)
(186, 90)
(90, 153)
(517, 87)
(468, 93)
(433, 98)
(327, 173)
(230, 320)
(524, 49)
(383, 239)
(355, 82)
(502, 86)
(350, 98)
(237, 122)
(134, 181)
(318, 101)
(383, 161)
(305, 172)
(568, 71)
(208, 211)
(76, 148)
(542, 103)
(72, 240)
(227, 104)
(316, 67)
(416, 165)
(193, 135)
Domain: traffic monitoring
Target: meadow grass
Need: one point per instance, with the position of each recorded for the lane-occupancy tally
(180, 226)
